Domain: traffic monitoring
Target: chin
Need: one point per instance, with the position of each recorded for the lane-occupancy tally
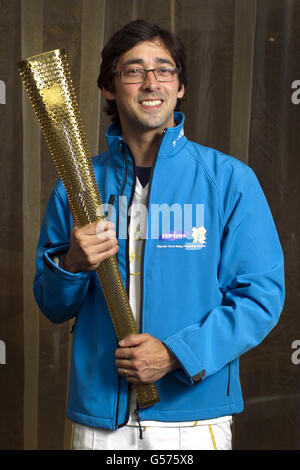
(152, 124)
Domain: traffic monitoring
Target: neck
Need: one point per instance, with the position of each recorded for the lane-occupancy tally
(143, 148)
(143, 145)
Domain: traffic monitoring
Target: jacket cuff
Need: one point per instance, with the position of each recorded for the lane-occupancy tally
(50, 257)
(192, 371)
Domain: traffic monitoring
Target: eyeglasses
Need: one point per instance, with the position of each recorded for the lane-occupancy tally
(138, 75)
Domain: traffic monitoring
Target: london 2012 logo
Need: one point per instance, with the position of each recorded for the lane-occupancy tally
(199, 235)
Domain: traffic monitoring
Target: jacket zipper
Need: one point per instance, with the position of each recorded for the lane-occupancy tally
(144, 242)
(128, 277)
(109, 210)
(142, 266)
(127, 289)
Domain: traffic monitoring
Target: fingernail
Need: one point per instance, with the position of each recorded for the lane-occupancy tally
(122, 342)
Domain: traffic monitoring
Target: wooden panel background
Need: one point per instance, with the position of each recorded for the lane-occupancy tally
(243, 56)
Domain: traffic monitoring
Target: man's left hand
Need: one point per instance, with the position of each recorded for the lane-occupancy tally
(144, 359)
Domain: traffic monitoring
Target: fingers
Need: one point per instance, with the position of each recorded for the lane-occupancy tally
(134, 340)
(104, 225)
(128, 355)
(99, 253)
(130, 376)
(129, 368)
(97, 230)
(143, 358)
(100, 235)
(94, 247)
(129, 359)
(90, 245)
(126, 361)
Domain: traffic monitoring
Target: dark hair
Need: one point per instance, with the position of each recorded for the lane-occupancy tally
(125, 39)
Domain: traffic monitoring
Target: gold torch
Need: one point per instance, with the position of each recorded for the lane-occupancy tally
(49, 85)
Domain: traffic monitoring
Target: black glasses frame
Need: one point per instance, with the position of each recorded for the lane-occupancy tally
(120, 72)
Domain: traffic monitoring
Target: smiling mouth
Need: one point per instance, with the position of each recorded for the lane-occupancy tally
(151, 103)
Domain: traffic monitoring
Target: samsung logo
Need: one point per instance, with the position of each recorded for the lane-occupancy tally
(2, 92)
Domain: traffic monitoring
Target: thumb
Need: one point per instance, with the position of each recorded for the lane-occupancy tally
(133, 340)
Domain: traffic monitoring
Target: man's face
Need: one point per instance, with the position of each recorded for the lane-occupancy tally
(148, 105)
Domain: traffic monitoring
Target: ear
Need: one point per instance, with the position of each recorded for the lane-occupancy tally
(181, 92)
(108, 94)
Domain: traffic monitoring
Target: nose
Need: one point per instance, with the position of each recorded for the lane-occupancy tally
(150, 82)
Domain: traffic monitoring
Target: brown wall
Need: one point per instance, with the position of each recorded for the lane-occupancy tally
(243, 56)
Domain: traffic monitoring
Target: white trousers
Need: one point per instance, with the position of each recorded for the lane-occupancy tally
(203, 437)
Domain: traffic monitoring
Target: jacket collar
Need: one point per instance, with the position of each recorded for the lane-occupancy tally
(172, 141)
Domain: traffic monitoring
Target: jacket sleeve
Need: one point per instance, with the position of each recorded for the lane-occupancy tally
(251, 280)
(58, 293)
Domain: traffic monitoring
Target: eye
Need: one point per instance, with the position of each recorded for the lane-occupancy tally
(167, 71)
(134, 72)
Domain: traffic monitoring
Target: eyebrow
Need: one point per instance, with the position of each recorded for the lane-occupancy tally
(158, 60)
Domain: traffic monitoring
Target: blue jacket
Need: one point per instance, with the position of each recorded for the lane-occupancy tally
(210, 291)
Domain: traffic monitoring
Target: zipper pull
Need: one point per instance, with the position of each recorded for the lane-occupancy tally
(136, 412)
(107, 213)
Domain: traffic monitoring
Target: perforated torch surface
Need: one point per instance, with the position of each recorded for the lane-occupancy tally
(48, 82)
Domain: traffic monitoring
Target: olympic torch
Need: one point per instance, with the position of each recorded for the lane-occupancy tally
(48, 82)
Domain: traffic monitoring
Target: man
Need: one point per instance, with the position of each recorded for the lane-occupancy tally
(203, 291)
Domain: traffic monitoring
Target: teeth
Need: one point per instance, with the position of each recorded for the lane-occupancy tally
(151, 103)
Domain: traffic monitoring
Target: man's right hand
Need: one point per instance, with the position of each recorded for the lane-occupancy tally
(90, 245)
